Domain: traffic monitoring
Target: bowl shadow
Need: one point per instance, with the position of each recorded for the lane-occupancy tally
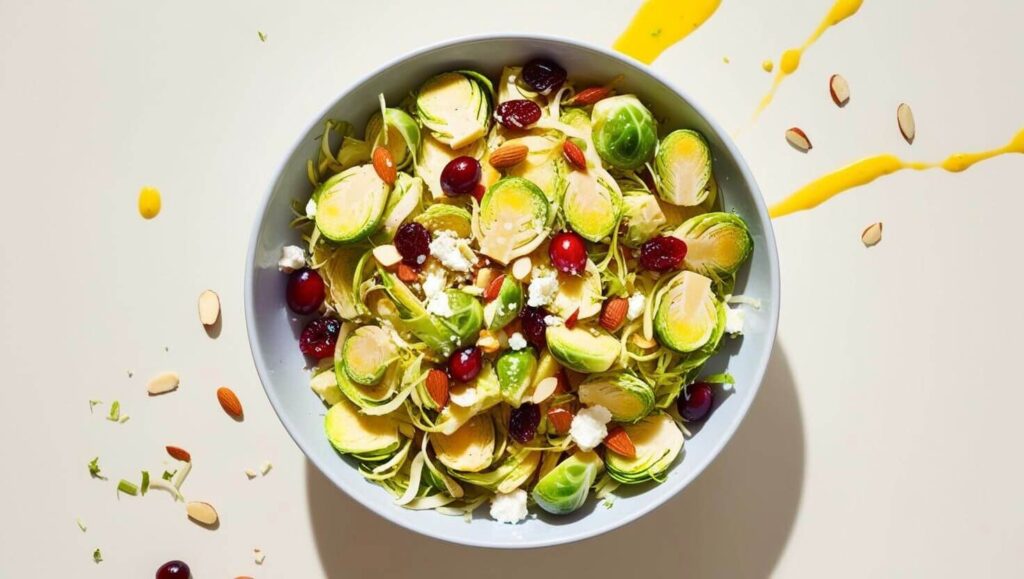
(733, 521)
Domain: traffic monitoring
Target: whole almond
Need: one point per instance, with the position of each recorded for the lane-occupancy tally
(618, 441)
(209, 307)
(839, 89)
(905, 120)
(614, 312)
(384, 165)
(560, 419)
(437, 387)
(229, 402)
(508, 155)
(574, 155)
(179, 454)
(590, 95)
(202, 513)
(163, 383)
(494, 288)
(796, 137)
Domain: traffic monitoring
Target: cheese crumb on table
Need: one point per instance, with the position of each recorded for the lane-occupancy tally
(293, 257)
(590, 426)
(734, 318)
(311, 209)
(510, 507)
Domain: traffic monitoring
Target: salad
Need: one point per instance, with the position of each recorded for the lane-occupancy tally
(513, 288)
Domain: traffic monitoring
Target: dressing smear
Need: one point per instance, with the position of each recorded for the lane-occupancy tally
(659, 24)
(149, 202)
(867, 170)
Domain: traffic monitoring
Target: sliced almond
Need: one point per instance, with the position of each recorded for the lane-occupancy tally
(522, 267)
(209, 307)
(905, 119)
(163, 383)
(545, 388)
(202, 513)
(798, 139)
(839, 89)
(872, 235)
(387, 255)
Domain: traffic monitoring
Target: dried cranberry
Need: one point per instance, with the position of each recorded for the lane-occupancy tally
(534, 327)
(568, 253)
(305, 291)
(319, 337)
(413, 243)
(523, 422)
(465, 364)
(478, 192)
(460, 176)
(696, 401)
(173, 570)
(517, 114)
(662, 253)
(543, 75)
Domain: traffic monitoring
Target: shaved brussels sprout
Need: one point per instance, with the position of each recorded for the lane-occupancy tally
(624, 132)
(511, 87)
(442, 335)
(442, 217)
(592, 205)
(513, 219)
(658, 442)
(581, 349)
(406, 200)
(565, 488)
(687, 316)
(338, 270)
(371, 438)
(403, 137)
(518, 466)
(683, 165)
(717, 244)
(643, 218)
(504, 308)
(626, 396)
(350, 205)
(469, 400)
(578, 119)
(456, 107)
(515, 371)
(545, 166)
(435, 155)
(367, 354)
(579, 292)
(468, 449)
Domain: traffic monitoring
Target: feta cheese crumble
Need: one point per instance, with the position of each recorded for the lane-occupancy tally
(510, 507)
(590, 426)
(438, 305)
(636, 306)
(292, 258)
(553, 321)
(516, 341)
(434, 283)
(451, 251)
(543, 288)
(734, 321)
(311, 209)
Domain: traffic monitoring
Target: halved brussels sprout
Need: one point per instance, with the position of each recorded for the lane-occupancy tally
(581, 349)
(592, 205)
(469, 400)
(658, 442)
(339, 270)
(626, 396)
(643, 217)
(504, 308)
(687, 315)
(406, 200)
(442, 335)
(372, 438)
(403, 137)
(624, 132)
(350, 205)
(515, 470)
(468, 449)
(565, 488)
(512, 220)
(717, 244)
(435, 155)
(443, 217)
(515, 369)
(326, 387)
(456, 106)
(578, 292)
(683, 165)
(544, 166)
(367, 354)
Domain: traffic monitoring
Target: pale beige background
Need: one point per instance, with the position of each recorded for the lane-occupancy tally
(885, 442)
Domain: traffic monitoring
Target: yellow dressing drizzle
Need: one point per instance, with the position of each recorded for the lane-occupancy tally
(867, 170)
(767, 65)
(149, 202)
(659, 24)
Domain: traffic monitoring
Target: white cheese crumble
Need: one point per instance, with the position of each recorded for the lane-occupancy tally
(734, 321)
(543, 288)
(636, 306)
(292, 258)
(590, 426)
(553, 321)
(510, 507)
(434, 283)
(311, 209)
(438, 305)
(516, 341)
(448, 248)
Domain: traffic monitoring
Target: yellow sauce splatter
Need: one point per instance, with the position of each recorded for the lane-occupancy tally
(659, 24)
(767, 65)
(790, 60)
(867, 170)
(149, 202)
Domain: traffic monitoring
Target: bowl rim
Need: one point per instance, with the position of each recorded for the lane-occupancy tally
(584, 532)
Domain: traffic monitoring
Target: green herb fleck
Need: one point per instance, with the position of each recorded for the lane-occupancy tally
(262, 35)
(93, 403)
(81, 525)
(723, 378)
(94, 468)
(145, 481)
(127, 488)
(168, 474)
(115, 411)
(97, 556)
(124, 419)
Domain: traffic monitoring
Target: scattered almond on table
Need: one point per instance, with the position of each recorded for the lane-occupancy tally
(229, 402)
(796, 137)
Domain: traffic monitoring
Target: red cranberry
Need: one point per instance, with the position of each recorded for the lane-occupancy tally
(662, 253)
(695, 402)
(465, 364)
(305, 291)
(478, 192)
(413, 243)
(517, 114)
(173, 570)
(568, 253)
(534, 327)
(460, 176)
(543, 75)
(523, 422)
(319, 337)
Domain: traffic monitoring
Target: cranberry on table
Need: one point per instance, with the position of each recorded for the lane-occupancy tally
(465, 364)
(543, 75)
(413, 243)
(319, 337)
(305, 291)
(460, 176)
(695, 402)
(662, 253)
(523, 422)
(517, 114)
(173, 570)
(533, 326)
(568, 253)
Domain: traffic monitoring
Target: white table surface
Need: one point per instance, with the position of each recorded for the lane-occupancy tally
(886, 439)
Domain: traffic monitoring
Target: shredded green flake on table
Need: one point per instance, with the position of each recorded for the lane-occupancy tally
(93, 403)
(124, 419)
(145, 481)
(94, 468)
(262, 35)
(115, 411)
(168, 475)
(127, 488)
(81, 525)
(97, 556)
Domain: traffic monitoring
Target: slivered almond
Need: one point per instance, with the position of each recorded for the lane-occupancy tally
(618, 441)
(209, 307)
(179, 454)
(872, 235)
(614, 312)
(905, 120)
(384, 165)
(522, 267)
(229, 402)
(545, 388)
(590, 95)
(406, 273)
(508, 155)
(387, 255)
(570, 322)
(494, 288)
(796, 137)
(437, 387)
(574, 154)
(839, 89)
(484, 276)
(202, 513)
(560, 419)
(163, 383)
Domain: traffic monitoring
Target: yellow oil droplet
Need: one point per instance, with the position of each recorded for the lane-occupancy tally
(725, 59)
(149, 202)
(659, 24)
(767, 65)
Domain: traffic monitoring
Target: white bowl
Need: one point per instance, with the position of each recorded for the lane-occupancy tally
(273, 330)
